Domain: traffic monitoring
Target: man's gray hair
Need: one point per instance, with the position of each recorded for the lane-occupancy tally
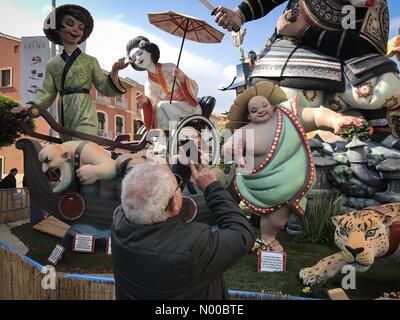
(146, 191)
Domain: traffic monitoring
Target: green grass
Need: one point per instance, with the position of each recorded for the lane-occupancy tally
(370, 285)
(317, 225)
(243, 276)
(41, 245)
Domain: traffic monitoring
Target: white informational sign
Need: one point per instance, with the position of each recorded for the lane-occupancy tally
(83, 243)
(56, 254)
(271, 261)
(35, 53)
(108, 247)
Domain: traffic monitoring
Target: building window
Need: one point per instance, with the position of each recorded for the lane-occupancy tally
(138, 107)
(103, 125)
(102, 99)
(121, 101)
(137, 124)
(5, 78)
(119, 125)
(101, 121)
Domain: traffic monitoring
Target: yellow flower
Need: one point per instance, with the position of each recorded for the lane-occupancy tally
(306, 290)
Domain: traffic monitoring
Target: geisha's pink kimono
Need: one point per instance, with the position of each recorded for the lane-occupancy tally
(157, 111)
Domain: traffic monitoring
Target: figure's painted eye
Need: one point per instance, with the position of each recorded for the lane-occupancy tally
(343, 232)
(370, 233)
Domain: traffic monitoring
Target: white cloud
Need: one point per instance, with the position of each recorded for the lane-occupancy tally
(118, 17)
(18, 23)
(394, 25)
(229, 72)
(107, 44)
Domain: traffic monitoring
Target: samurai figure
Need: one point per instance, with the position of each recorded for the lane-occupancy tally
(157, 109)
(72, 73)
(333, 52)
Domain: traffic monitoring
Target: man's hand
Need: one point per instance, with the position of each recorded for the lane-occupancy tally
(228, 19)
(286, 28)
(341, 122)
(202, 176)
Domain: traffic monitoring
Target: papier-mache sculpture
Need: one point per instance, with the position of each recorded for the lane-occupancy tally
(72, 73)
(157, 109)
(362, 236)
(283, 169)
(83, 160)
(318, 52)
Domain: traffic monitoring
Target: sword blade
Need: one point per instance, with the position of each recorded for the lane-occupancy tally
(208, 5)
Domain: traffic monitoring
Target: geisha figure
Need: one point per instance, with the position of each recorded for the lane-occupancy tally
(72, 73)
(157, 109)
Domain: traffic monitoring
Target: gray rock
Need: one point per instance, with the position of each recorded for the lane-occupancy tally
(328, 150)
(359, 203)
(389, 165)
(324, 161)
(343, 179)
(385, 152)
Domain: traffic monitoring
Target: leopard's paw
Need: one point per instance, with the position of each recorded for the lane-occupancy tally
(309, 277)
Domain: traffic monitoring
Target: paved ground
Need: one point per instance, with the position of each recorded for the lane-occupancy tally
(7, 237)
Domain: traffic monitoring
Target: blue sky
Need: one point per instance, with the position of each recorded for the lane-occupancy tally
(117, 21)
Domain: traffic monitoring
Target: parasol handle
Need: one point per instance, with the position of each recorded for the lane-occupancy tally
(179, 58)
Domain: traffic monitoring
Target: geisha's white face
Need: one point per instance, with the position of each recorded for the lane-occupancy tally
(72, 30)
(141, 58)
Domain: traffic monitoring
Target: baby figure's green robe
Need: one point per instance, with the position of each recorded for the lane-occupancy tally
(287, 172)
(72, 77)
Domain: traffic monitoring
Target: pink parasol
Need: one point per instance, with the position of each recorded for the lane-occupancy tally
(185, 27)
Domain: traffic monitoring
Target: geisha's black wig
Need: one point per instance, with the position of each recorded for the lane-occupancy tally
(143, 43)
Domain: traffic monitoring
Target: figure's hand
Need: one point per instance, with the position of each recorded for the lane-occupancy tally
(286, 28)
(21, 108)
(203, 176)
(342, 122)
(87, 174)
(140, 99)
(178, 74)
(241, 162)
(228, 19)
(120, 65)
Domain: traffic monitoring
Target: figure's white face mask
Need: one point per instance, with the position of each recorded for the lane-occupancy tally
(141, 58)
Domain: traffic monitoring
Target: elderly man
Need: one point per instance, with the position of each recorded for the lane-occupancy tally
(157, 255)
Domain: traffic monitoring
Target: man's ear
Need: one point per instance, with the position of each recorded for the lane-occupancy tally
(176, 205)
(248, 117)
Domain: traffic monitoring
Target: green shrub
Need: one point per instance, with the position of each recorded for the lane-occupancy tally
(9, 130)
(363, 133)
(317, 226)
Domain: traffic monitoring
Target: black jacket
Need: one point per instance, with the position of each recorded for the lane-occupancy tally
(9, 182)
(175, 260)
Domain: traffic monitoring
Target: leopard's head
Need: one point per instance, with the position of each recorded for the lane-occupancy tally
(363, 236)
